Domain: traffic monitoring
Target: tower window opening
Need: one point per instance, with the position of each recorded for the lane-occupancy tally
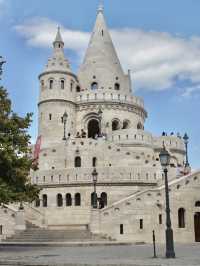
(68, 199)
(115, 125)
(94, 86)
(71, 85)
(121, 229)
(160, 218)
(77, 199)
(104, 200)
(139, 126)
(50, 116)
(94, 161)
(117, 86)
(78, 89)
(51, 84)
(102, 32)
(141, 224)
(62, 84)
(62, 119)
(59, 200)
(125, 124)
(181, 218)
(77, 161)
(44, 200)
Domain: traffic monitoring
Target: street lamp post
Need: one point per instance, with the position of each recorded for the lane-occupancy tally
(65, 116)
(165, 160)
(100, 120)
(94, 177)
(186, 138)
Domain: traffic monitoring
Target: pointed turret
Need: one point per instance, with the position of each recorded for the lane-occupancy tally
(101, 63)
(58, 43)
(58, 60)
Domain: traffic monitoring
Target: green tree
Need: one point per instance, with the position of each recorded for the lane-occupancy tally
(15, 154)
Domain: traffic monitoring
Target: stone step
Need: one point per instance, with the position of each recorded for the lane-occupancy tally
(35, 234)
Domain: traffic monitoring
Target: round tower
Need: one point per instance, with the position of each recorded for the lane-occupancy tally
(58, 87)
(105, 88)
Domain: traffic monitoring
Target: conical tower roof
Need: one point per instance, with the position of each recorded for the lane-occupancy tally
(101, 49)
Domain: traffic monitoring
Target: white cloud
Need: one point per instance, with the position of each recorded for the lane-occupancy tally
(157, 59)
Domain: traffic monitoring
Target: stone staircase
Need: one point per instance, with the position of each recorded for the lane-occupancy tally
(35, 234)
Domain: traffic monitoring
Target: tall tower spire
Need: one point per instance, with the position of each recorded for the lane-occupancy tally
(58, 42)
(101, 7)
(101, 60)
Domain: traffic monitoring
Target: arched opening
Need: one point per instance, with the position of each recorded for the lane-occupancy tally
(93, 128)
(78, 89)
(68, 199)
(62, 84)
(37, 202)
(181, 218)
(197, 226)
(77, 199)
(77, 161)
(94, 161)
(51, 84)
(197, 204)
(94, 86)
(44, 200)
(125, 124)
(59, 200)
(139, 126)
(117, 86)
(104, 200)
(115, 125)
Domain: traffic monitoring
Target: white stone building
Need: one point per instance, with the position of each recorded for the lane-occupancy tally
(101, 106)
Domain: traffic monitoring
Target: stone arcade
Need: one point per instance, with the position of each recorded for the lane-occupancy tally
(105, 130)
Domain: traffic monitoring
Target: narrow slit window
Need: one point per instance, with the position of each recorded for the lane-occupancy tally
(121, 229)
(141, 224)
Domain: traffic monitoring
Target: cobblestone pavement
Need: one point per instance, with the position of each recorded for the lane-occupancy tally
(136, 255)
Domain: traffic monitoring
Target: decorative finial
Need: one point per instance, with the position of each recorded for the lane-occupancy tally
(101, 7)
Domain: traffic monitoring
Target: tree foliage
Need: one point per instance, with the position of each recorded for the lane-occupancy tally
(15, 154)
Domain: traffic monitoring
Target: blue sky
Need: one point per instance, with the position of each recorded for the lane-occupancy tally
(158, 40)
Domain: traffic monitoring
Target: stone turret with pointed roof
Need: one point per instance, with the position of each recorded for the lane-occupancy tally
(101, 63)
(58, 60)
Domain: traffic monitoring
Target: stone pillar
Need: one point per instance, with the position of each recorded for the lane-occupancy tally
(95, 221)
(20, 220)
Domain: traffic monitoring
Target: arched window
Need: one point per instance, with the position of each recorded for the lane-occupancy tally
(117, 86)
(104, 199)
(139, 126)
(68, 199)
(78, 89)
(51, 84)
(181, 218)
(62, 84)
(37, 202)
(44, 200)
(77, 199)
(197, 204)
(59, 200)
(94, 86)
(77, 161)
(115, 125)
(94, 161)
(125, 124)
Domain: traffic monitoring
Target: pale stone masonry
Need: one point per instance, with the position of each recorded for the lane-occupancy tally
(125, 155)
